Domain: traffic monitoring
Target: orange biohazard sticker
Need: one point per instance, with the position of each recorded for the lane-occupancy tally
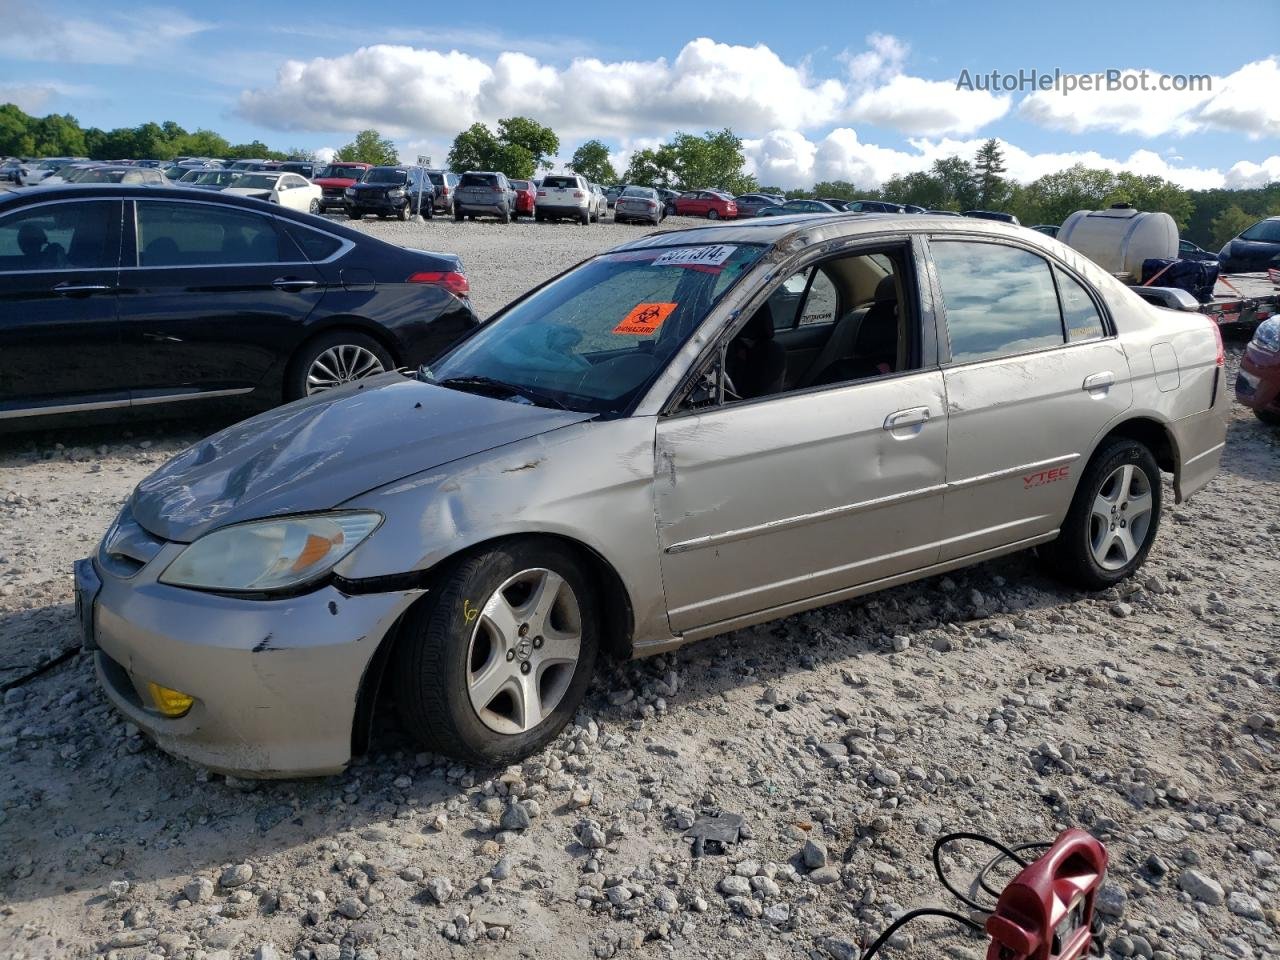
(644, 319)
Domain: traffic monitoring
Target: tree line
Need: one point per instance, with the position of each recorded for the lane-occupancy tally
(521, 147)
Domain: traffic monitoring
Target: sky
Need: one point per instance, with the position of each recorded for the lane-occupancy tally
(817, 90)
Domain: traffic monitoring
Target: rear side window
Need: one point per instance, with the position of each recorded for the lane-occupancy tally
(58, 236)
(316, 245)
(1079, 313)
(1000, 301)
(173, 234)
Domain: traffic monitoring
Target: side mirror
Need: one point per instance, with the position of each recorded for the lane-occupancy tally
(707, 391)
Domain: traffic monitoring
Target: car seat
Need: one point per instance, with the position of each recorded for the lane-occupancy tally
(756, 362)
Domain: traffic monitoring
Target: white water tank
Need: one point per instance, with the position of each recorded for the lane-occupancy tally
(1119, 239)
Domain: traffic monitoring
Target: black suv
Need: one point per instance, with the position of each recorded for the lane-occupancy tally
(391, 190)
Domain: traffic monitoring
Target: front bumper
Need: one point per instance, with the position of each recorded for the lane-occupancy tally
(1258, 382)
(275, 682)
(375, 204)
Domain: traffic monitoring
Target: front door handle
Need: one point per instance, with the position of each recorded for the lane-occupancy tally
(913, 417)
(1098, 382)
(293, 283)
(79, 289)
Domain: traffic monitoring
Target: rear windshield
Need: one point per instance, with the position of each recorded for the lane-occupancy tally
(647, 192)
(560, 183)
(437, 178)
(258, 181)
(1265, 230)
(519, 184)
(595, 338)
(385, 175)
(479, 180)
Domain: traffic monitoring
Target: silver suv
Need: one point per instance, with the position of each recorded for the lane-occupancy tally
(484, 193)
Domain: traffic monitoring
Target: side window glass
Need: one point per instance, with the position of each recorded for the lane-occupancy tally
(1000, 301)
(58, 236)
(197, 234)
(316, 245)
(1078, 310)
(820, 306)
(784, 303)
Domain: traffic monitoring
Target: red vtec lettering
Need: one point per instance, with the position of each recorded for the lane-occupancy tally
(1045, 476)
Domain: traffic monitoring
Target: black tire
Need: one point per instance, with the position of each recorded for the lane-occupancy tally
(457, 216)
(713, 215)
(315, 209)
(295, 379)
(433, 659)
(505, 216)
(584, 218)
(538, 218)
(402, 214)
(1071, 556)
(429, 211)
(1267, 417)
(355, 215)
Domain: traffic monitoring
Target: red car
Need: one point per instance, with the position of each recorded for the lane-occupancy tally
(334, 179)
(1258, 382)
(711, 204)
(525, 195)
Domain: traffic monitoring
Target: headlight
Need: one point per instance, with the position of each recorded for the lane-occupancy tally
(1267, 335)
(270, 555)
(395, 193)
(350, 191)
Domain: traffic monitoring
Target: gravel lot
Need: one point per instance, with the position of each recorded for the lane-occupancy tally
(991, 699)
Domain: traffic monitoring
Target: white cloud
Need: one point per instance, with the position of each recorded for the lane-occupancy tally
(789, 159)
(883, 59)
(326, 154)
(144, 34)
(930, 107)
(1247, 101)
(34, 96)
(1244, 101)
(1248, 174)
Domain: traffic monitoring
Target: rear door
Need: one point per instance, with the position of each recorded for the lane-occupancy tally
(212, 298)
(59, 340)
(1034, 374)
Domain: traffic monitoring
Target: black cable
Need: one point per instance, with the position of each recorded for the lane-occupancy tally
(991, 865)
(913, 915)
(1005, 854)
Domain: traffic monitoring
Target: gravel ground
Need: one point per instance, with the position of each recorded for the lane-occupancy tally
(992, 699)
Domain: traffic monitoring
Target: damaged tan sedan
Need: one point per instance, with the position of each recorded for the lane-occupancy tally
(697, 431)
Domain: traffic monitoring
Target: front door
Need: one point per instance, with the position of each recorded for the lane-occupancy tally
(59, 341)
(1035, 376)
(811, 489)
(217, 294)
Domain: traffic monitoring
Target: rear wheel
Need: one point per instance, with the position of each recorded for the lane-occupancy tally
(457, 216)
(584, 218)
(495, 667)
(1113, 519)
(334, 359)
(1267, 417)
(505, 216)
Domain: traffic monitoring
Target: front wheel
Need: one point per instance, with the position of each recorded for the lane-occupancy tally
(315, 207)
(1112, 522)
(403, 212)
(354, 215)
(712, 215)
(495, 667)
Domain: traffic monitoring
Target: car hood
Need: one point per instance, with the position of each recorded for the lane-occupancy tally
(332, 182)
(317, 453)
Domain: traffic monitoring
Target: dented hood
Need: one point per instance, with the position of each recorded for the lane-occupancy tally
(317, 453)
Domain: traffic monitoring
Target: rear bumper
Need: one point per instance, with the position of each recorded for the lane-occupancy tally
(560, 210)
(473, 208)
(1258, 382)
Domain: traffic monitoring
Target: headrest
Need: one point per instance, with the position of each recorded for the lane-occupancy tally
(887, 289)
(760, 326)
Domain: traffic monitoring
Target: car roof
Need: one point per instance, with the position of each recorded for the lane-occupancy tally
(824, 226)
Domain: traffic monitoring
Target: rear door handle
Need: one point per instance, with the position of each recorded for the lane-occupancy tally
(293, 283)
(1098, 381)
(907, 418)
(79, 289)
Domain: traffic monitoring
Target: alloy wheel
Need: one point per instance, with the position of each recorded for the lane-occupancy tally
(524, 649)
(341, 363)
(1121, 517)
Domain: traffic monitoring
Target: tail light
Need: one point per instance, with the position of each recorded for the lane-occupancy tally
(577, 193)
(456, 283)
(1222, 350)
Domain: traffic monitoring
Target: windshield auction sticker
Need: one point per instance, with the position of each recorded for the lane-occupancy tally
(644, 319)
(712, 256)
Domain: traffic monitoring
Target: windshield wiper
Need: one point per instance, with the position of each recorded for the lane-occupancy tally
(499, 388)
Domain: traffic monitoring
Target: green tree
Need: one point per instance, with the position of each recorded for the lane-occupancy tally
(837, 189)
(1055, 196)
(539, 142)
(514, 160)
(922, 189)
(592, 161)
(989, 168)
(1151, 193)
(473, 149)
(651, 168)
(1230, 223)
(369, 146)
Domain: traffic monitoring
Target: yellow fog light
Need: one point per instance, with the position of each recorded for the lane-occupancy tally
(172, 703)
